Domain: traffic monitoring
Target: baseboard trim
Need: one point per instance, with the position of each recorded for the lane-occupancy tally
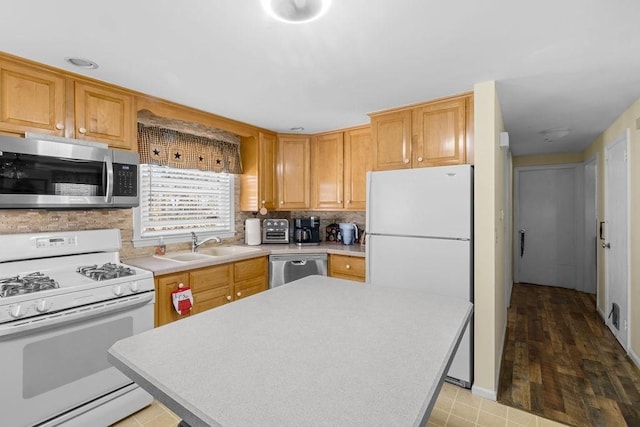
(634, 357)
(485, 393)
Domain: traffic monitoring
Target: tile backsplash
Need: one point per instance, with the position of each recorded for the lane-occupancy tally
(41, 220)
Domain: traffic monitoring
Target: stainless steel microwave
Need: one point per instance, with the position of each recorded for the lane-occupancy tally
(38, 173)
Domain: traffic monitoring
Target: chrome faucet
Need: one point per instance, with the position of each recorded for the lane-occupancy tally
(195, 244)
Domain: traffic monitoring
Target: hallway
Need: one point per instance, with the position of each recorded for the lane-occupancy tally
(560, 361)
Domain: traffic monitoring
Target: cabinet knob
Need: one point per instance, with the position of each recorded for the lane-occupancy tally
(82, 130)
(405, 161)
(348, 202)
(239, 294)
(59, 126)
(419, 159)
(263, 202)
(228, 297)
(282, 202)
(339, 201)
(348, 267)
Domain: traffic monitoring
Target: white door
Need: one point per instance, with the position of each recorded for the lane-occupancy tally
(545, 230)
(616, 241)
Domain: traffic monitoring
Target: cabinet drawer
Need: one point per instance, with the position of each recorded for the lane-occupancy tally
(347, 265)
(209, 299)
(250, 268)
(210, 278)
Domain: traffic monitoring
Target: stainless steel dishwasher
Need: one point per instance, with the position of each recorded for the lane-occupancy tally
(287, 268)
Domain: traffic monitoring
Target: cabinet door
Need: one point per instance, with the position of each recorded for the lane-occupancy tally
(347, 267)
(267, 171)
(250, 287)
(249, 269)
(358, 160)
(392, 140)
(105, 115)
(294, 181)
(164, 311)
(327, 171)
(31, 100)
(211, 287)
(440, 133)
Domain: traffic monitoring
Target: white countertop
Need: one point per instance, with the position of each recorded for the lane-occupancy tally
(160, 266)
(316, 352)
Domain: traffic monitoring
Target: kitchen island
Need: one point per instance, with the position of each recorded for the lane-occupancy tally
(319, 351)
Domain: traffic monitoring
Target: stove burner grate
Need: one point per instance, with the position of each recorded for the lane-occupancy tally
(106, 271)
(33, 282)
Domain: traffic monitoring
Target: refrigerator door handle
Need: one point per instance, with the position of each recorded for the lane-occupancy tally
(522, 233)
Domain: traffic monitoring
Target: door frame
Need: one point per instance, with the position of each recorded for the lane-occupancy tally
(578, 207)
(594, 160)
(624, 138)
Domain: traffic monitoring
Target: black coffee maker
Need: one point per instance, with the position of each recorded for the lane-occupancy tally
(306, 231)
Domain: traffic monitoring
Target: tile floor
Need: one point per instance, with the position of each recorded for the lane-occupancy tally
(455, 407)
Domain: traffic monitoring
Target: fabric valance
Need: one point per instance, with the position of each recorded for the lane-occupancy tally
(160, 145)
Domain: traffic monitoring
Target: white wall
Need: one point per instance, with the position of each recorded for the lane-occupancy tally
(490, 245)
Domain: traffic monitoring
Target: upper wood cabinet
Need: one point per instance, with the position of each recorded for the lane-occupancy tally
(294, 177)
(358, 160)
(105, 114)
(339, 165)
(42, 100)
(439, 133)
(327, 171)
(436, 133)
(258, 180)
(392, 140)
(31, 100)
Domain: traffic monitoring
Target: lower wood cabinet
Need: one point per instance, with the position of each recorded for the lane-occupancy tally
(211, 286)
(347, 267)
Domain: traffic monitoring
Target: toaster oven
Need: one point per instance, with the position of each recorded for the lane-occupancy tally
(275, 231)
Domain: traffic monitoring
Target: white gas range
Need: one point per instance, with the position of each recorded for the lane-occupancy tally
(65, 298)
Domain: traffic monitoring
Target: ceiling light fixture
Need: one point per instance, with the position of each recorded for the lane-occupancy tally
(82, 63)
(296, 11)
(297, 129)
(551, 135)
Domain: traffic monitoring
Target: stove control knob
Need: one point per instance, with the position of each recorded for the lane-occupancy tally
(135, 287)
(17, 311)
(117, 290)
(41, 306)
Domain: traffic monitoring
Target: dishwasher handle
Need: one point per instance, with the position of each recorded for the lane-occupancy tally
(299, 262)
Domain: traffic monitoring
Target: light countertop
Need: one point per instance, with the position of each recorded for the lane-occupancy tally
(316, 352)
(159, 265)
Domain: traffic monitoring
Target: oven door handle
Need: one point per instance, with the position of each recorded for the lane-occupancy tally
(12, 329)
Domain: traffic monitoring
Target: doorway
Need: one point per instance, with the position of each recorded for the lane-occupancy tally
(615, 238)
(548, 228)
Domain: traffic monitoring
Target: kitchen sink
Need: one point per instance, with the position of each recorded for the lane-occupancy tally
(207, 254)
(184, 257)
(226, 250)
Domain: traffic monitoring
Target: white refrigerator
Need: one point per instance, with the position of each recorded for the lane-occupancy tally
(419, 225)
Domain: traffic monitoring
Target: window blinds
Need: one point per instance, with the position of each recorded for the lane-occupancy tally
(177, 201)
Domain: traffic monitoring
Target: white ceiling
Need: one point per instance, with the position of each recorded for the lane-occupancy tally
(558, 63)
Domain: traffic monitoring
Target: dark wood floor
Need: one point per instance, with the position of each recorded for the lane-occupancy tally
(560, 361)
